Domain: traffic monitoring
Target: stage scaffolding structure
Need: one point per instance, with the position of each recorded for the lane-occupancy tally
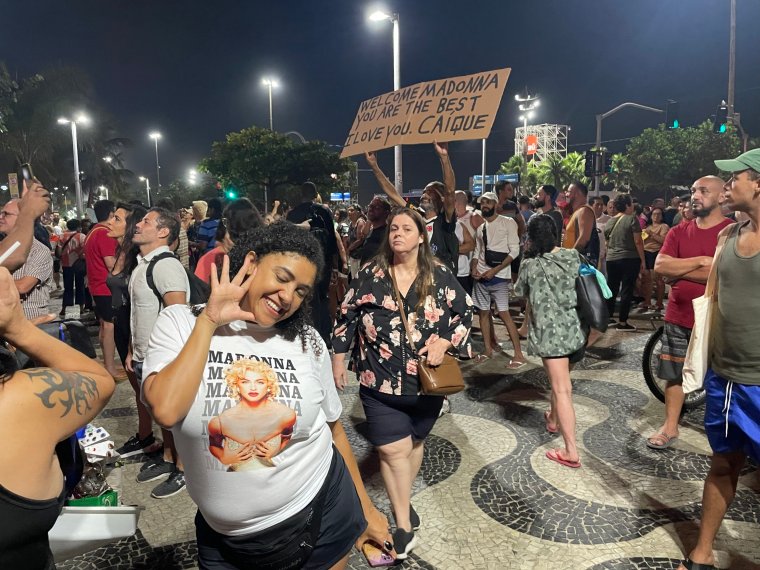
(550, 140)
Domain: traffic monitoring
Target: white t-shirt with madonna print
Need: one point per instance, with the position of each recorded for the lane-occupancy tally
(250, 496)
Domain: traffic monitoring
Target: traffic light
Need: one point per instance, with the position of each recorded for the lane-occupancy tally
(607, 162)
(589, 169)
(720, 124)
(230, 193)
(672, 116)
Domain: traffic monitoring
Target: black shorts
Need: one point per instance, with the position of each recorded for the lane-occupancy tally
(649, 258)
(573, 357)
(103, 309)
(56, 265)
(392, 418)
(466, 283)
(342, 524)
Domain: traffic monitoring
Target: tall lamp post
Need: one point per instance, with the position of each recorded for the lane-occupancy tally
(380, 16)
(82, 120)
(147, 187)
(155, 135)
(270, 83)
(598, 155)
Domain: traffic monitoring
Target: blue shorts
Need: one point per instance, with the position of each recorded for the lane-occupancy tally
(738, 428)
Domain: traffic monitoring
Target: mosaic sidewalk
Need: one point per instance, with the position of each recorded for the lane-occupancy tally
(488, 497)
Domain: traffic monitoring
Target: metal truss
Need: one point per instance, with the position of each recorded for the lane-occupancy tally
(552, 139)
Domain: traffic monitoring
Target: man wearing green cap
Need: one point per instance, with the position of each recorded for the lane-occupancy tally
(732, 383)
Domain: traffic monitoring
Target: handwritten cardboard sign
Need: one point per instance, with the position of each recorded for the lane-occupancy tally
(453, 109)
(13, 184)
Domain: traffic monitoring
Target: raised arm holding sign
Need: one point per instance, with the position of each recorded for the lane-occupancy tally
(436, 204)
(449, 181)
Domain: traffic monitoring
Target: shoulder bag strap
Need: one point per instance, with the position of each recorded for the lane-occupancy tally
(712, 279)
(401, 311)
(485, 235)
(616, 223)
(71, 237)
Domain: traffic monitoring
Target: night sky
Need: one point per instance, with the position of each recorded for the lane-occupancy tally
(193, 69)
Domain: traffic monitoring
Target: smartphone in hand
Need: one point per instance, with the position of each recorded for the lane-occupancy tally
(376, 557)
(27, 173)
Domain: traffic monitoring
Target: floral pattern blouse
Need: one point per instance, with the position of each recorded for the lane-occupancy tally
(382, 357)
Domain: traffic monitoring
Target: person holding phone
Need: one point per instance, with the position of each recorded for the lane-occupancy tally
(34, 278)
(35, 201)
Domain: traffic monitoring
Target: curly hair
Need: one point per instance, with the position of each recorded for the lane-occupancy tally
(622, 201)
(240, 368)
(240, 216)
(542, 235)
(284, 237)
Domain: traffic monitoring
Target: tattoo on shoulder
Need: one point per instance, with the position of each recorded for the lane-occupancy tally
(71, 390)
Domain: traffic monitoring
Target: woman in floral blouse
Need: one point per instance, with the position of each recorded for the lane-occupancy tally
(439, 314)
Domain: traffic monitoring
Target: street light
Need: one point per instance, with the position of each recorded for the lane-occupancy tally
(147, 187)
(108, 159)
(270, 83)
(380, 16)
(155, 135)
(527, 103)
(82, 119)
(192, 177)
(104, 189)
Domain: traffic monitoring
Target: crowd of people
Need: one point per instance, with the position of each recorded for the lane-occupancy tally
(238, 331)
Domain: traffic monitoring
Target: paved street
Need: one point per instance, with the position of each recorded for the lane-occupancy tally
(487, 496)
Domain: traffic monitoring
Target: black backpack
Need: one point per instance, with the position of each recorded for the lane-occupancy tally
(199, 289)
(319, 229)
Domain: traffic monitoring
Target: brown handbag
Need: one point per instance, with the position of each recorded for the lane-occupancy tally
(441, 380)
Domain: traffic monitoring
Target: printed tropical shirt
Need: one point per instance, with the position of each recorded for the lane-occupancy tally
(549, 283)
(382, 357)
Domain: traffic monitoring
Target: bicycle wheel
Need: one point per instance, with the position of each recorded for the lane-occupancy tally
(650, 363)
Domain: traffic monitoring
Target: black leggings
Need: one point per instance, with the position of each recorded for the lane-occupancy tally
(622, 272)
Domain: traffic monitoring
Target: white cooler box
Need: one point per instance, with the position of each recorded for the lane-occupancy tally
(82, 529)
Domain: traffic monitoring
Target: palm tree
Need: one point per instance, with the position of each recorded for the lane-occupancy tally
(552, 171)
(515, 165)
(622, 172)
(575, 165)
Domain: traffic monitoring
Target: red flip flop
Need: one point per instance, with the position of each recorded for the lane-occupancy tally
(553, 455)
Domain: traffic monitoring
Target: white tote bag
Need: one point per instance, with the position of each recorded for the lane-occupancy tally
(695, 364)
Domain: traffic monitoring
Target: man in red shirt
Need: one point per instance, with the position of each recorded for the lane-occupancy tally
(100, 256)
(685, 260)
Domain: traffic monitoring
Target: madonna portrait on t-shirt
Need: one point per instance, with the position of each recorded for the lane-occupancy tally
(247, 435)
